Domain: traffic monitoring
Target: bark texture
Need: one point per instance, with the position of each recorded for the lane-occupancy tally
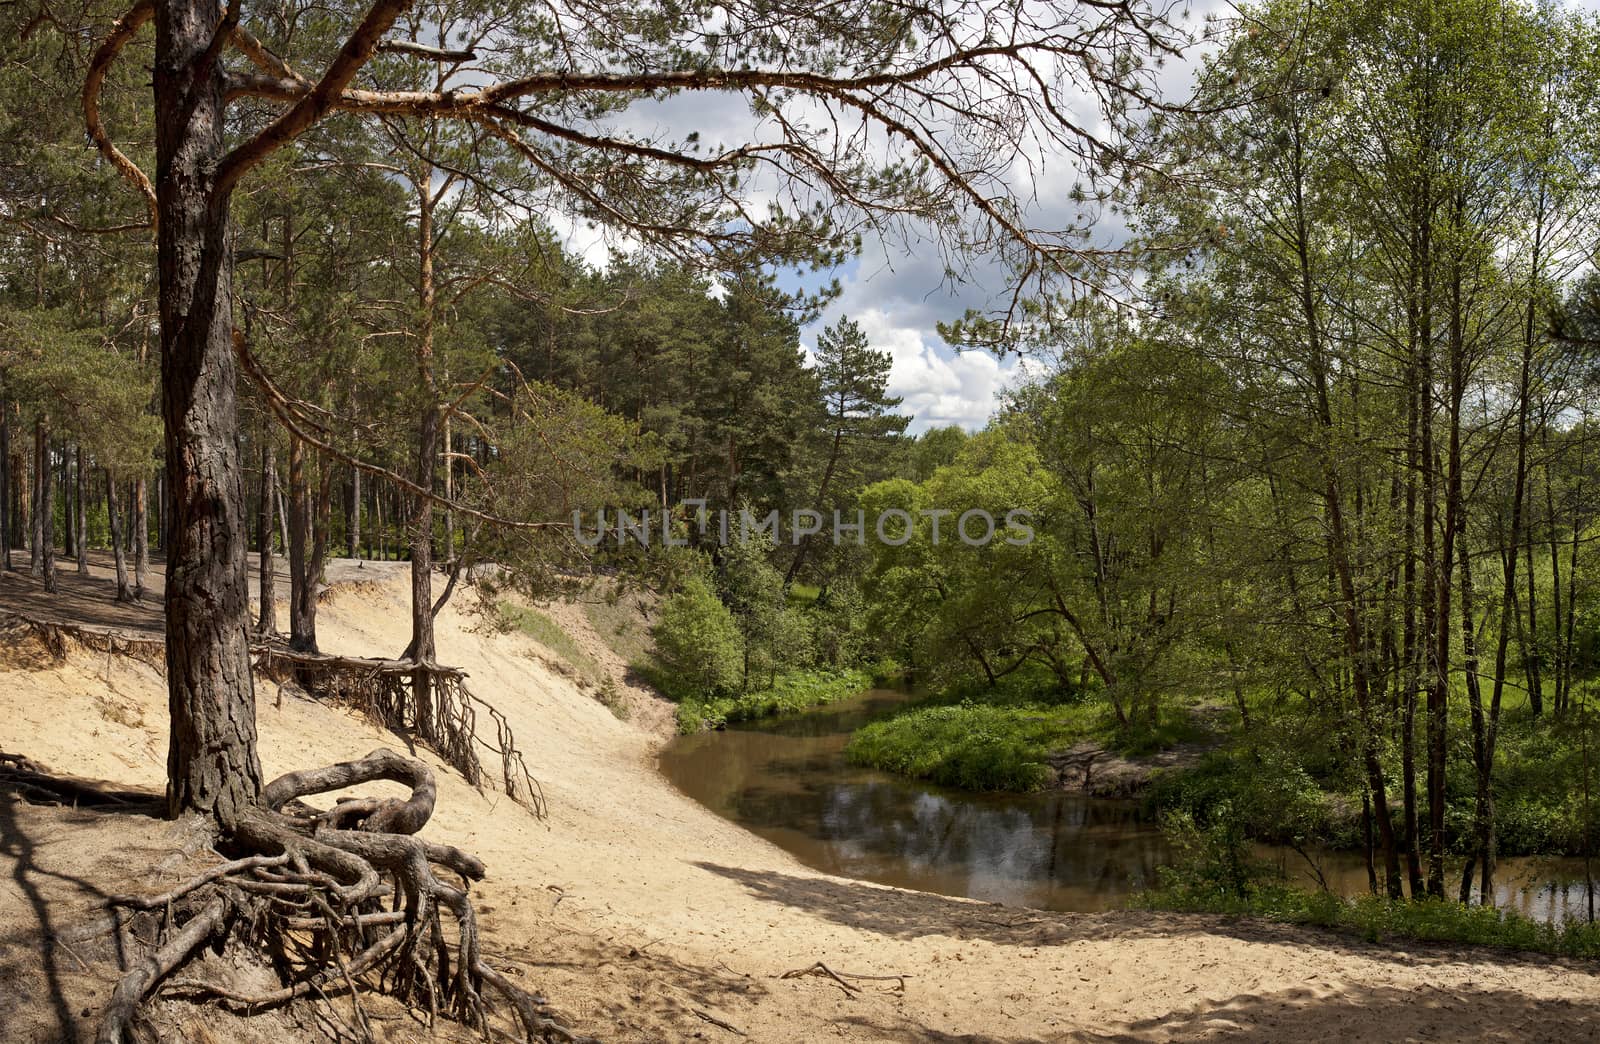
(212, 766)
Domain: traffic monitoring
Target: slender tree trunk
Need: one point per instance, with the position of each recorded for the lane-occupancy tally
(114, 518)
(1356, 645)
(1410, 680)
(302, 584)
(1454, 523)
(449, 474)
(44, 525)
(212, 765)
(283, 517)
(267, 621)
(5, 484)
(422, 640)
(822, 492)
(69, 505)
(161, 510)
(141, 538)
(1469, 664)
(1559, 665)
(352, 515)
(36, 541)
(81, 481)
(1533, 654)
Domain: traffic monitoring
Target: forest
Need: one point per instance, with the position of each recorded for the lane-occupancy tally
(1295, 463)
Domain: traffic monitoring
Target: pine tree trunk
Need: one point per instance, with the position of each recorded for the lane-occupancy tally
(422, 639)
(141, 538)
(302, 584)
(36, 506)
(81, 482)
(5, 484)
(43, 562)
(267, 622)
(115, 522)
(69, 506)
(352, 516)
(212, 765)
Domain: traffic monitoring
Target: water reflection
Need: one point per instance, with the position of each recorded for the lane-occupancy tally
(788, 782)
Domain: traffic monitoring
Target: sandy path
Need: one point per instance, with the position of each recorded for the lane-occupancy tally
(643, 916)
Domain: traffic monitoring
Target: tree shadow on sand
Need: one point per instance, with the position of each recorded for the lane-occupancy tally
(62, 924)
(1301, 1016)
(1374, 1013)
(913, 915)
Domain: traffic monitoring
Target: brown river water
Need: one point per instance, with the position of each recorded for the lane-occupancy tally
(787, 780)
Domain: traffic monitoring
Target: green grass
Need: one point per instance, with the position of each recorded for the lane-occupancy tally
(802, 595)
(1002, 740)
(1381, 920)
(793, 691)
(620, 623)
(547, 633)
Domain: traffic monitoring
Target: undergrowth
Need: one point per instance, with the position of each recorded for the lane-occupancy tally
(791, 692)
(1002, 738)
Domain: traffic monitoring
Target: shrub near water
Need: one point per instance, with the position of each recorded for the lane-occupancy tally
(970, 745)
(1380, 919)
(1213, 871)
(792, 692)
(697, 645)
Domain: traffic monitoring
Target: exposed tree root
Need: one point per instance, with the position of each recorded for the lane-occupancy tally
(58, 636)
(383, 690)
(347, 901)
(380, 689)
(23, 776)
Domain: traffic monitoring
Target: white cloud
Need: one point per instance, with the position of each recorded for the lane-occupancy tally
(939, 386)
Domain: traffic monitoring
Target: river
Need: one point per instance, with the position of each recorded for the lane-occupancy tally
(787, 780)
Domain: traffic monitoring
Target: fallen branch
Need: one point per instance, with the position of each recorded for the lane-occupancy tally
(708, 1017)
(839, 977)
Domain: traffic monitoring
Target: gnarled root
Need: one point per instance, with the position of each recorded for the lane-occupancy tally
(344, 901)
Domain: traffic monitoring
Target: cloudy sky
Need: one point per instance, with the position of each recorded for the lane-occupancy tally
(899, 292)
(899, 297)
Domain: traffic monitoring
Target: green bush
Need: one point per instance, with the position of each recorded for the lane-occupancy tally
(790, 693)
(1212, 858)
(970, 745)
(698, 652)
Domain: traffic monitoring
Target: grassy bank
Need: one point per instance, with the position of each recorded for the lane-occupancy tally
(1001, 739)
(549, 634)
(793, 691)
(1382, 920)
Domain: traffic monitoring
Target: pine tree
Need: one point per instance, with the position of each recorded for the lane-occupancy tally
(854, 378)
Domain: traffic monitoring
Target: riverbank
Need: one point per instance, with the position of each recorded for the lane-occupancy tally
(645, 917)
(992, 743)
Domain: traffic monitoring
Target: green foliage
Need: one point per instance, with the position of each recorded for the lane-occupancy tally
(1263, 789)
(790, 692)
(968, 745)
(752, 589)
(1212, 859)
(698, 652)
(1379, 919)
(838, 627)
(1001, 737)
